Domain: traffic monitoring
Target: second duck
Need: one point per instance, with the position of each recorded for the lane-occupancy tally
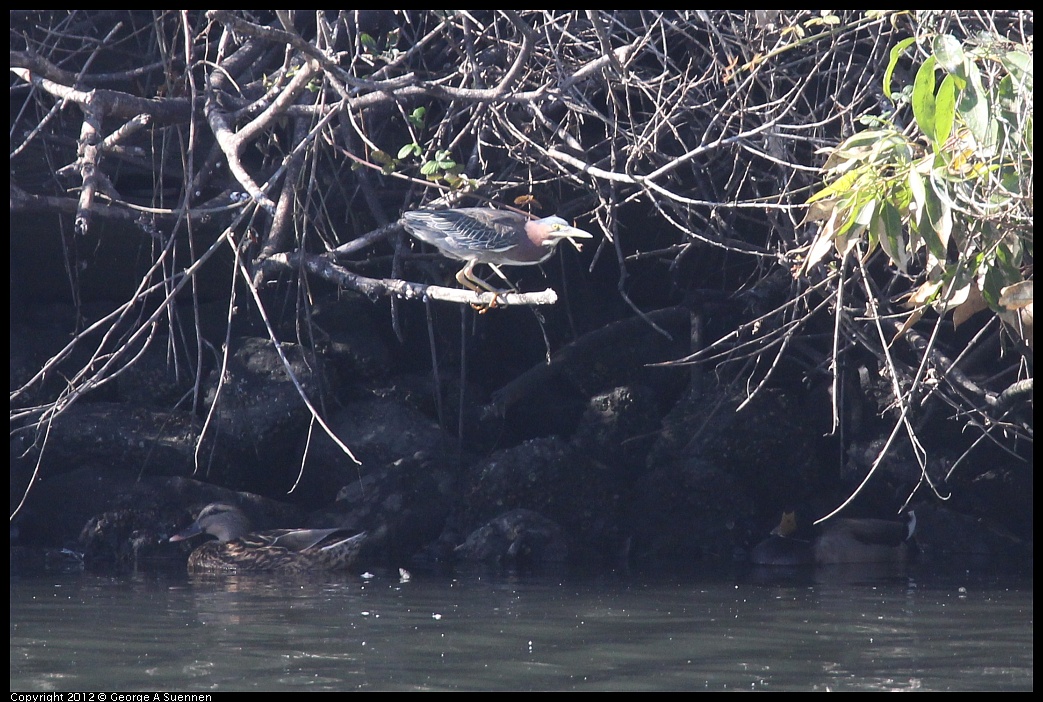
(837, 541)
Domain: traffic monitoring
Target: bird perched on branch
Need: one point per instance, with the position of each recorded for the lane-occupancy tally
(494, 237)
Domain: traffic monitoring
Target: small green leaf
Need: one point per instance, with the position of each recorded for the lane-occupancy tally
(847, 209)
(429, 168)
(974, 105)
(887, 227)
(409, 150)
(416, 117)
(945, 110)
(939, 217)
(919, 195)
(865, 213)
(896, 53)
(839, 187)
(998, 275)
(949, 52)
(1020, 66)
(923, 97)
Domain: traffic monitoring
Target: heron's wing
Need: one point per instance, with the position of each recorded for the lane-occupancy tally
(468, 230)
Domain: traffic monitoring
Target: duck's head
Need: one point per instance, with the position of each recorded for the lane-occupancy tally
(784, 547)
(787, 526)
(220, 519)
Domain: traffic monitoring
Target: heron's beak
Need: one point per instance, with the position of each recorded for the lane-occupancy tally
(572, 233)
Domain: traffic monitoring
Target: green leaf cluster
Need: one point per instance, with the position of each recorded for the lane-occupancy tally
(381, 48)
(952, 197)
(440, 168)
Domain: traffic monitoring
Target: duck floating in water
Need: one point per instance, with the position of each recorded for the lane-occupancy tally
(837, 541)
(237, 549)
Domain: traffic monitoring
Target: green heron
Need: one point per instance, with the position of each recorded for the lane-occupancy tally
(496, 237)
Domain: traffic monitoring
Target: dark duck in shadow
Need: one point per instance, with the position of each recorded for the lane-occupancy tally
(837, 541)
(237, 549)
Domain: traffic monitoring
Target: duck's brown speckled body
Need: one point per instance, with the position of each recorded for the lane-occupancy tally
(237, 549)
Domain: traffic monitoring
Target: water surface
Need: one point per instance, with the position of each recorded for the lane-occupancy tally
(820, 630)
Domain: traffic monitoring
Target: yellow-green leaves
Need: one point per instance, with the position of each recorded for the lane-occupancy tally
(939, 202)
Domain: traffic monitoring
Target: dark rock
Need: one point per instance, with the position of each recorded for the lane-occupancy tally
(519, 537)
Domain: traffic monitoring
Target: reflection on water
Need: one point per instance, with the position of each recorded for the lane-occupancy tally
(831, 629)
